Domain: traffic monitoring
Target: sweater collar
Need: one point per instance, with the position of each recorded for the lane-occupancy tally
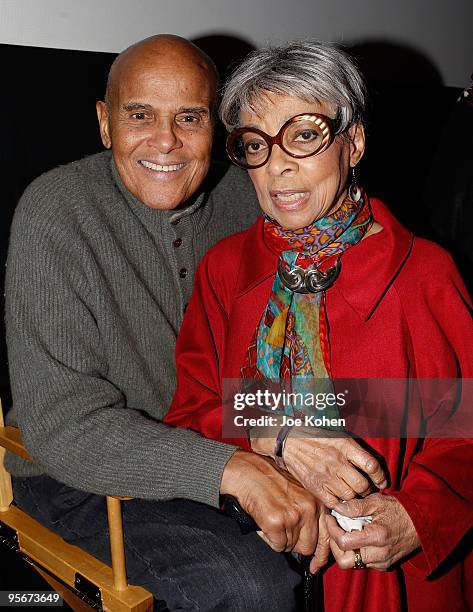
(361, 286)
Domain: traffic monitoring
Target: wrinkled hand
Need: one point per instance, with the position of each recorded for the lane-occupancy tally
(327, 466)
(322, 551)
(390, 537)
(286, 513)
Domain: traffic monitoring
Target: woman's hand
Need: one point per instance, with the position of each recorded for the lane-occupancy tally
(328, 466)
(390, 537)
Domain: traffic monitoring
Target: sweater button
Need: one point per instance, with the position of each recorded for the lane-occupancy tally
(175, 221)
(177, 243)
(183, 272)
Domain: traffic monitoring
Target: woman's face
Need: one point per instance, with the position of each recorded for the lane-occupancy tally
(296, 192)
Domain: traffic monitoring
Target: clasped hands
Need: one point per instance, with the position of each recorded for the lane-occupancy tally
(292, 508)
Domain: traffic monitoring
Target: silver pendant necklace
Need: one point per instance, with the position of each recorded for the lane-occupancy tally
(311, 280)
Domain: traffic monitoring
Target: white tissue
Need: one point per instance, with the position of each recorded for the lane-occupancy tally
(351, 524)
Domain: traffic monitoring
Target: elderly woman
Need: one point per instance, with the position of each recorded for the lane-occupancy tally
(327, 284)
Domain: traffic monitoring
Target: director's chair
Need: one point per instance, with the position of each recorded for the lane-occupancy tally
(84, 581)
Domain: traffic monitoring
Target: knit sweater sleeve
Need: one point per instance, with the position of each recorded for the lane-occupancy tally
(75, 423)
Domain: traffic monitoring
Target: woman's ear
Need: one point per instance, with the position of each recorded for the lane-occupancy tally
(356, 134)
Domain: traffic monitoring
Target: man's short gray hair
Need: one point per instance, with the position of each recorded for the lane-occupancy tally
(310, 70)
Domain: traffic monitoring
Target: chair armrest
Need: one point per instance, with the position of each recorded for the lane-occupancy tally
(11, 440)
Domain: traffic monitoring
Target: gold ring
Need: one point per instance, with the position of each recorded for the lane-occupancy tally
(358, 560)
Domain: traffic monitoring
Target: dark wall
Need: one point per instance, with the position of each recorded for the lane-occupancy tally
(407, 106)
(49, 100)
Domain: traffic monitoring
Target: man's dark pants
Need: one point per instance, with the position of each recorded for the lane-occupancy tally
(189, 554)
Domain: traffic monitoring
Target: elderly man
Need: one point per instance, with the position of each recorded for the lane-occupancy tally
(100, 269)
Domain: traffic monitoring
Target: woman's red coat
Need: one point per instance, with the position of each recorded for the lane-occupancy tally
(398, 310)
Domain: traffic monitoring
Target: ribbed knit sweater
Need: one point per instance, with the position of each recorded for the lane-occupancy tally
(96, 288)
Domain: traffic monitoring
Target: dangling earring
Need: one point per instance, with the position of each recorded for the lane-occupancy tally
(354, 191)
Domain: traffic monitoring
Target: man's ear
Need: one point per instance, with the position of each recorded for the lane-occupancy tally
(357, 143)
(104, 124)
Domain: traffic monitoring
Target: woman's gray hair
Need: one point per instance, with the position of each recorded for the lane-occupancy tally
(310, 70)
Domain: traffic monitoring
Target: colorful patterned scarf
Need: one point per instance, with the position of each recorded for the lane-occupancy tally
(291, 341)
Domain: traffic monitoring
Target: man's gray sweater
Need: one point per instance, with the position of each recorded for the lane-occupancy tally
(96, 289)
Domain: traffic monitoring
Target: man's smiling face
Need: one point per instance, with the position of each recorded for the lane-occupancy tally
(158, 122)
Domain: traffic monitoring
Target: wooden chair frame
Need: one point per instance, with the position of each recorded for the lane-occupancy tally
(85, 582)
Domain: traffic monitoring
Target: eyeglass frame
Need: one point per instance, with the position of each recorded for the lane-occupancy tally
(272, 140)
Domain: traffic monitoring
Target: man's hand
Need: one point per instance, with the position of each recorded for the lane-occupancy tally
(390, 537)
(286, 513)
(327, 466)
(322, 552)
